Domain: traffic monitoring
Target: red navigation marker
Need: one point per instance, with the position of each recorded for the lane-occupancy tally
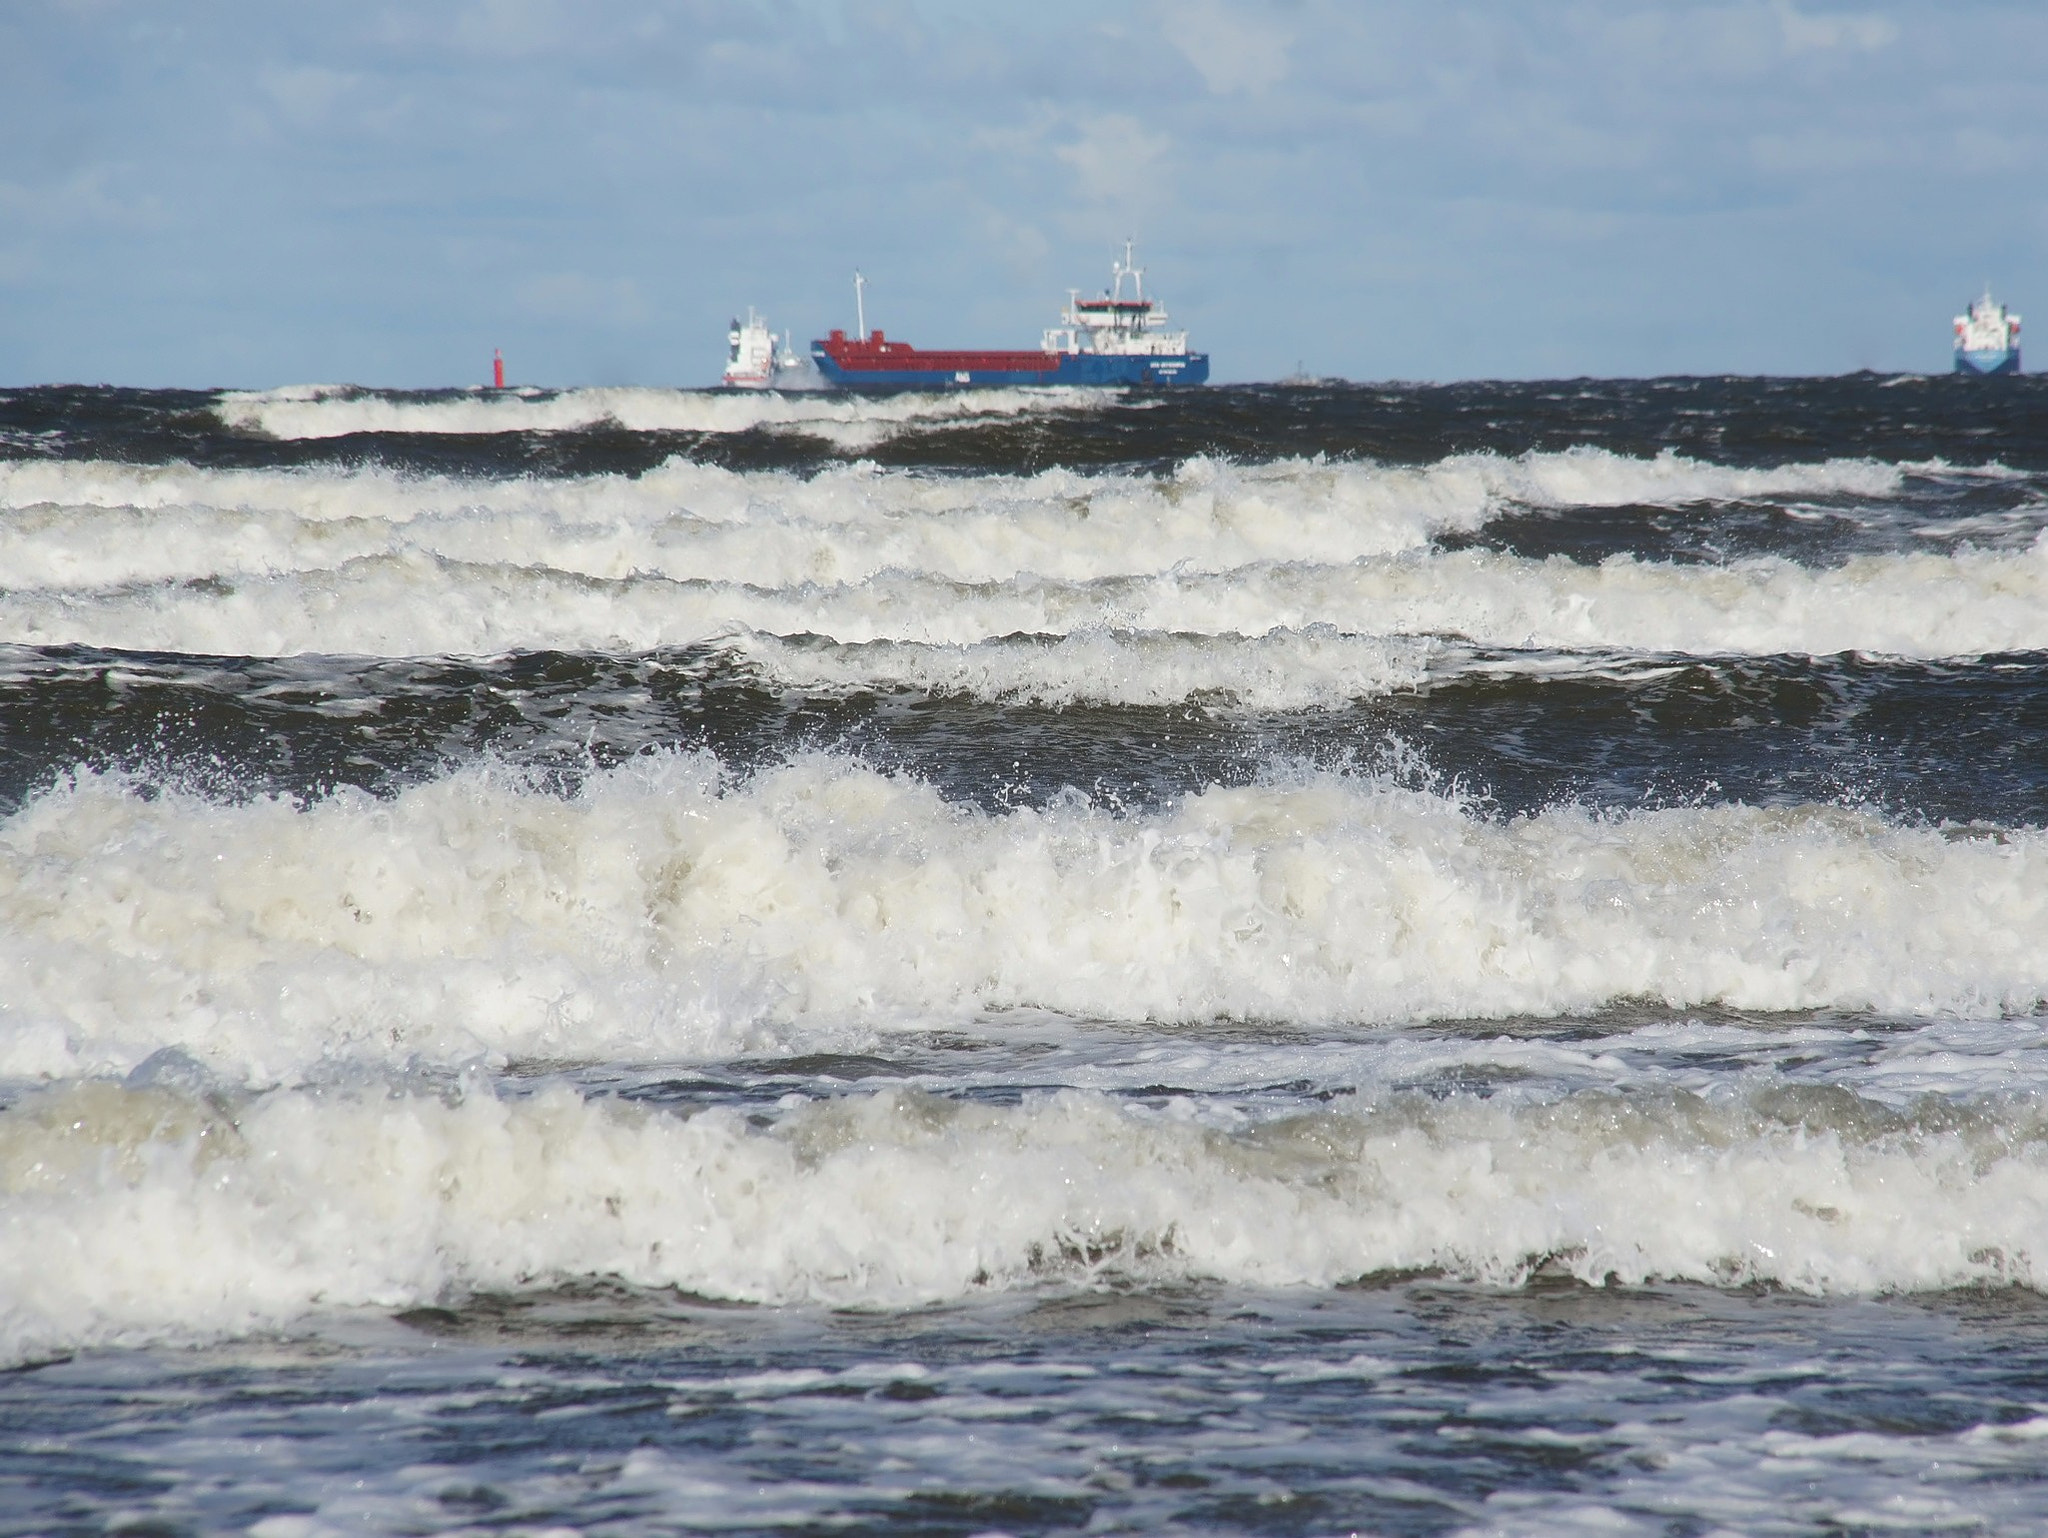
(497, 369)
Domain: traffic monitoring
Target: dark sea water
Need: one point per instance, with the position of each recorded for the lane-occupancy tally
(1294, 960)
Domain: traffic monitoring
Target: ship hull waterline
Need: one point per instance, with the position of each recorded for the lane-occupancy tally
(1987, 363)
(1096, 369)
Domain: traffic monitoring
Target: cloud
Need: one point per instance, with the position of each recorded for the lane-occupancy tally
(305, 94)
(84, 198)
(1822, 152)
(1118, 161)
(1835, 30)
(1232, 52)
(510, 28)
(573, 296)
(1020, 245)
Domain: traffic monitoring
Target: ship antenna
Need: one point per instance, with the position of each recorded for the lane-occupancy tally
(860, 306)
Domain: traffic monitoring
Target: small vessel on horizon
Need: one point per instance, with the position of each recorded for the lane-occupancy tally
(757, 359)
(750, 353)
(1987, 338)
(1111, 340)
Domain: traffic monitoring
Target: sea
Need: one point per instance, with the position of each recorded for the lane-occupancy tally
(1316, 958)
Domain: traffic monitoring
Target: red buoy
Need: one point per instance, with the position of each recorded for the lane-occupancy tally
(497, 369)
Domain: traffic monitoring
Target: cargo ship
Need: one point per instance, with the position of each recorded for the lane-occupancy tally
(1116, 339)
(1987, 339)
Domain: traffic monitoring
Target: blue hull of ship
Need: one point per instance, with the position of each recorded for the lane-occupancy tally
(1988, 362)
(1188, 368)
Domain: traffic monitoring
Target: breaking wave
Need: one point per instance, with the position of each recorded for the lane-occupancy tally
(333, 411)
(669, 910)
(376, 563)
(415, 603)
(298, 1200)
(1282, 670)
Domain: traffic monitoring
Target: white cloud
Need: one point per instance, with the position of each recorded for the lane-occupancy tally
(1232, 52)
(1835, 30)
(1823, 152)
(84, 198)
(574, 296)
(1021, 246)
(304, 94)
(1118, 161)
(508, 28)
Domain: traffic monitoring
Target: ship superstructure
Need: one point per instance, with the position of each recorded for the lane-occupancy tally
(1114, 326)
(1987, 338)
(750, 353)
(1117, 339)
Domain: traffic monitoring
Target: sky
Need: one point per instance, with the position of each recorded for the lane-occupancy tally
(247, 193)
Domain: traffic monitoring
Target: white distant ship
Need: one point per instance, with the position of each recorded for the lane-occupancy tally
(757, 359)
(1987, 338)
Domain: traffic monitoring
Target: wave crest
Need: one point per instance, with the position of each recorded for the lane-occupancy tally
(334, 411)
(668, 911)
(371, 562)
(300, 1200)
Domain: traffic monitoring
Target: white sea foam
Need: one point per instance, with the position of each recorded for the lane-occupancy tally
(332, 411)
(415, 603)
(77, 524)
(101, 525)
(1586, 477)
(373, 562)
(139, 1212)
(1285, 670)
(667, 911)
(777, 529)
(381, 564)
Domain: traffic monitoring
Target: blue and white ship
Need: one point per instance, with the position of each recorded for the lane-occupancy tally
(1987, 339)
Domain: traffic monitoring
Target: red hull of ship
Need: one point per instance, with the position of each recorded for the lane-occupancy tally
(879, 355)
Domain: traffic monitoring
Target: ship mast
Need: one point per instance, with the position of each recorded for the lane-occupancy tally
(860, 305)
(1127, 266)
